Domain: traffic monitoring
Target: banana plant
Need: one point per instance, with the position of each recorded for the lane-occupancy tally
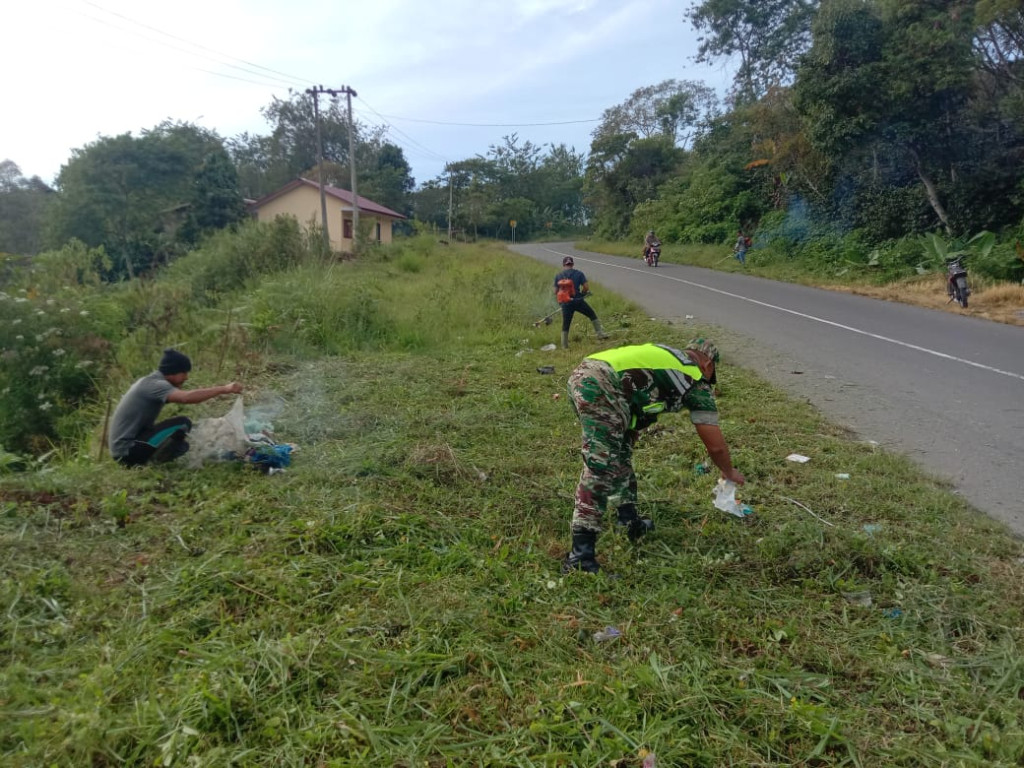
(937, 250)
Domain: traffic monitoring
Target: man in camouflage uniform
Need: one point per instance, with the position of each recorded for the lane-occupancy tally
(616, 394)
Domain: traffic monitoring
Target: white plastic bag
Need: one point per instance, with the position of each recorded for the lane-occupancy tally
(725, 499)
(218, 439)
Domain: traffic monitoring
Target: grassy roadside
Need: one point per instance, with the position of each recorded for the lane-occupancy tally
(394, 598)
(999, 302)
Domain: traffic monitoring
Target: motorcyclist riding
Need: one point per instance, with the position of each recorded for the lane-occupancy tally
(650, 241)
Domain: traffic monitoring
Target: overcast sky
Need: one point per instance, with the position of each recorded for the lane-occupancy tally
(73, 70)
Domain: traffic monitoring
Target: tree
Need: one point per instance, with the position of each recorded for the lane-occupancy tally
(890, 81)
(23, 205)
(768, 35)
(674, 108)
(388, 181)
(215, 202)
(133, 195)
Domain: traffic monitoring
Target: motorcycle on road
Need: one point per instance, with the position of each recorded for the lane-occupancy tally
(652, 254)
(956, 281)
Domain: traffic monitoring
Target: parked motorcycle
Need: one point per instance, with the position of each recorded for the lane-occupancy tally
(653, 254)
(956, 281)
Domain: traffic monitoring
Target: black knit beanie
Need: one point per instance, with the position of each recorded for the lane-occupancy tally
(174, 362)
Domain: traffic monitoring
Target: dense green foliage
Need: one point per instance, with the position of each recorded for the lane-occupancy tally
(145, 199)
(394, 599)
(23, 204)
(852, 127)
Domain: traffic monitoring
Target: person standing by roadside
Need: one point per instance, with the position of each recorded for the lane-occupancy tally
(618, 393)
(135, 435)
(740, 249)
(571, 290)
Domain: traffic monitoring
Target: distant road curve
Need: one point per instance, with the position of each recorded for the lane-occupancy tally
(945, 390)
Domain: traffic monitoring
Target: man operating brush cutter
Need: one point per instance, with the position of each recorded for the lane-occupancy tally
(616, 394)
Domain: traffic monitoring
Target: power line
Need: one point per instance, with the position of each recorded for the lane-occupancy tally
(282, 77)
(492, 125)
(407, 136)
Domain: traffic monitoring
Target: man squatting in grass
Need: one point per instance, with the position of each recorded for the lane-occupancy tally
(571, 290)
(135, 435)
(616, 394)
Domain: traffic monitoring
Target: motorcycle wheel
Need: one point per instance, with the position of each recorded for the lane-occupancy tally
(961, 291)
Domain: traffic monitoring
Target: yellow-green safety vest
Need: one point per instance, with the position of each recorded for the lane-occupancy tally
(653, 357)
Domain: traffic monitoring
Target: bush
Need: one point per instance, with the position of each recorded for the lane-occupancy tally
(53, 348)
(229, 259)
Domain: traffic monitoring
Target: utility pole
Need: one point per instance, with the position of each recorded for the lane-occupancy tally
(349, 93)
(315, 92)
(450, 195)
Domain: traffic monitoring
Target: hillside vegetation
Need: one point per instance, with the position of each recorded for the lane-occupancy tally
(394, 597)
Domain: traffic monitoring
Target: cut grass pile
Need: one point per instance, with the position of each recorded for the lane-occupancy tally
(394, 598)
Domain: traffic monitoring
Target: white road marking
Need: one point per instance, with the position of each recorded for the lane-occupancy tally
(814, 318)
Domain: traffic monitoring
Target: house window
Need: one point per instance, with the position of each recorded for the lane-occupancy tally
(378, 231)
(346, 227)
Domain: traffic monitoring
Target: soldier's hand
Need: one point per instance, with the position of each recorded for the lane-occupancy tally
(735, 476)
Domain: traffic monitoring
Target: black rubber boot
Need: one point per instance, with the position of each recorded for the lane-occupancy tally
(636, 527)
(582, 557)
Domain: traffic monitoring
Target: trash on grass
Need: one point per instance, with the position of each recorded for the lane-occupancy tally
(548, 348)
(608, 633)
(218, 439)
(842, 475)
(798, 458)
(892, 613)
(701, 468)
(807, 509)
(725, 500)
(871, 528)
(862, 599)
(546, 369)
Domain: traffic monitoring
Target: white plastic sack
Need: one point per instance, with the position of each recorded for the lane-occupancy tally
(218, 439)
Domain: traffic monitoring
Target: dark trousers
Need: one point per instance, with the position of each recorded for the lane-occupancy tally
(572, 307)
(165, 441)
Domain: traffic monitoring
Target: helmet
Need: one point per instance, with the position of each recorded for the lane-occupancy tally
(567, 261)
(707, 348)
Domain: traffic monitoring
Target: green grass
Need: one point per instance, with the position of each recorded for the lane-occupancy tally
(394, 598)
(772, 266)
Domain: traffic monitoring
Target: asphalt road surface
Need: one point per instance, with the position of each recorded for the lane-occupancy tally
(944, 389)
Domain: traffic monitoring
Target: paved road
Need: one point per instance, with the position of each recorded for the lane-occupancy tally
(944, 389)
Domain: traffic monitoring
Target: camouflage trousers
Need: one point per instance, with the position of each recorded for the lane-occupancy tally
(607, 448)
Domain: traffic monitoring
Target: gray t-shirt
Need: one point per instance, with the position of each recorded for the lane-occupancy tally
(137, 411)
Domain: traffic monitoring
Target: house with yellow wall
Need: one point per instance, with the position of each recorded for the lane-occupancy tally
(301, 199)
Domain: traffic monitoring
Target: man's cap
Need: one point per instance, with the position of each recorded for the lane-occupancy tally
(708, 348)
(174, 362)
(567, 261)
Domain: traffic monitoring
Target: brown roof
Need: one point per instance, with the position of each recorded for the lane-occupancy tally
(341, 194)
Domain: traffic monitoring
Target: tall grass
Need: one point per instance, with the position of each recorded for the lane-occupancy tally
(394, 598)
